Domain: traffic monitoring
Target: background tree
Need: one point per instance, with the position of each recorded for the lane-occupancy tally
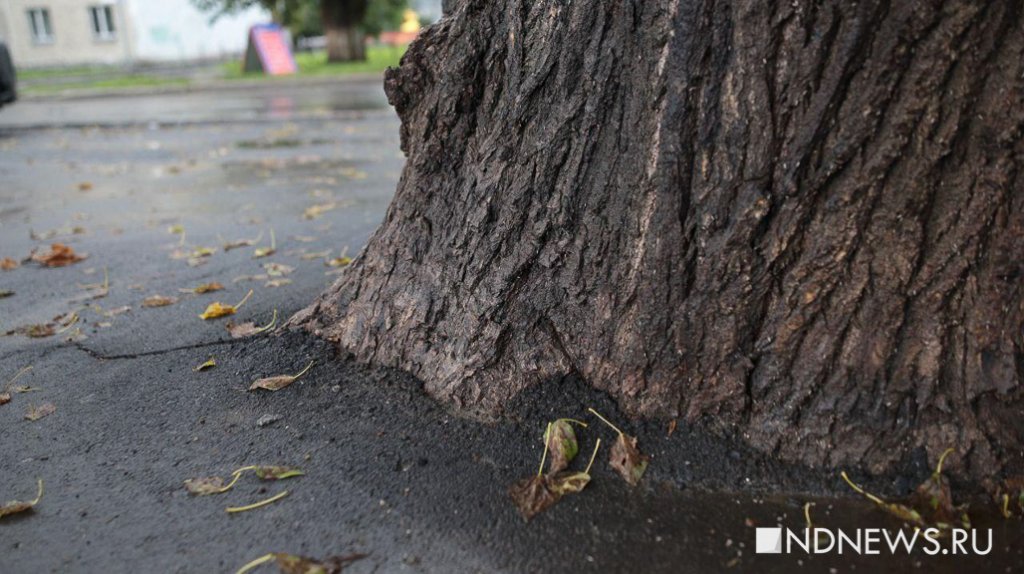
(344, 23)
(799, 222)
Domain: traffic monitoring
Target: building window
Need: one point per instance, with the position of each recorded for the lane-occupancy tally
(39, 23)
(103, 22)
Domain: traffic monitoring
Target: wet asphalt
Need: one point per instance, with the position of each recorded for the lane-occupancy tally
(140, 184)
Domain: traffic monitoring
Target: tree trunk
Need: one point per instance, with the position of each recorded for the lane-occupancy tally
(345, 44)
(802, 222)
(341, 19)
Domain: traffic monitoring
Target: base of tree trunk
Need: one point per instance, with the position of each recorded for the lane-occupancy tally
(346, 44)
(799, 222)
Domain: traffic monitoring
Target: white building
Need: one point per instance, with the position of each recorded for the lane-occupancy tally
(81, 32)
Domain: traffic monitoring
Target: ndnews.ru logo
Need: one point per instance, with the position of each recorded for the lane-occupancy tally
(931, 541)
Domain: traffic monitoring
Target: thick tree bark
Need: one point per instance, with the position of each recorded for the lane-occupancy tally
(799, 221)
(341, 20)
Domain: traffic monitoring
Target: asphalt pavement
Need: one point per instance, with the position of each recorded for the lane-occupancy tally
(152, 188)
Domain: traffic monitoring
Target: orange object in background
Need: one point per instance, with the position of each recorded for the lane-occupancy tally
(406, 33)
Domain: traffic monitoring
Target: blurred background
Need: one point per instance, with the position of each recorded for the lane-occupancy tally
(65, 45)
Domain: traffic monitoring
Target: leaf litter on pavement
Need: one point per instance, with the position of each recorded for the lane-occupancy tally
(59, 255)
(204, 288)
(17, 506)
(279, 382)
(929, 506)
(229, 245)
(158, 301)
(209, 364)
(535, 494)
(250, 328)
(266, 251)
(218, 309)
(210, 485)
(295, 564)
(98, 290)
(626, 458)
(35, 413)
(5, 394)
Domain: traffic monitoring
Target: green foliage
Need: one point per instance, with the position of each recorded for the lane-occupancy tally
(304, 17)
(383, 15)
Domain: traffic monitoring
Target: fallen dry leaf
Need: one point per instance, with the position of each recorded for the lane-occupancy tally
(533, 495)
(279, 382)
(295, 564)
(4, 293)
(316, 211)
(249, 329)
(69, 230)
(240, 278)
(278, 282)
(266, 251)
(342, 261)
(900, 511)
(563, 483)
(229, 245)
(7, 264)
(44, 410)
(209, 364)
(537, 493)
(158, 301)
(315, 255)
(99, 290)
(626, 459)
(933, 498)
(277, 269)
(204, 288)
(561, 443)
(85, 186)
(35, 331)
(930, 505)
(218, 309)
(206, 485)
(1010, 493)
(304, 238)
(59, 255)
(16, 506)
(117, 311)
(5, 395)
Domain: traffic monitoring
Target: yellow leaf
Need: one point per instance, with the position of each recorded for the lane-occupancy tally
(159, 301)
(204, 288)
(218, 309)
(15, 506)
(338, 261)
(279, 382)
(209, 364)
(266, 251)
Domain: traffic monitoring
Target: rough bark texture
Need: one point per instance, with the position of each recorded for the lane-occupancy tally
(341, 19)
(800, 221)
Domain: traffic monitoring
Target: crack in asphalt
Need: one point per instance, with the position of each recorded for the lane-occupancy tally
(100, 356)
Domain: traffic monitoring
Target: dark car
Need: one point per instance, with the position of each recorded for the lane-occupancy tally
(8, 93)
